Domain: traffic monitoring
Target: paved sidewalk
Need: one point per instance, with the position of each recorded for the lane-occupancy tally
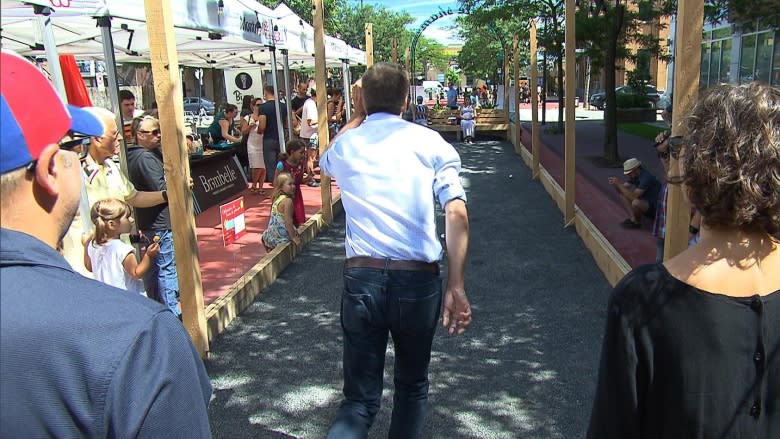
(526, 367)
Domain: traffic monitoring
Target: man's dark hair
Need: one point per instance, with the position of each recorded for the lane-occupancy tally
(385, 87)
(126, 95)
(269, 89)
(313, 93)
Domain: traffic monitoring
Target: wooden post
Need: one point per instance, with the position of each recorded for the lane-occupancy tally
(686, 89)
(570, 159)
(369, 44)
(322, 103)
(167, 88)
(408, 62)
(534, 105)
(394, 53)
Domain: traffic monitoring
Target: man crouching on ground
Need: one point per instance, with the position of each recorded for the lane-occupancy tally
(391, 274)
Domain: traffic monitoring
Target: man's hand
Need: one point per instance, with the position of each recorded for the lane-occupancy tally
(457, 311)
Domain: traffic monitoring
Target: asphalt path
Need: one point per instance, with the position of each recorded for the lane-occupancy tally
(526, 367)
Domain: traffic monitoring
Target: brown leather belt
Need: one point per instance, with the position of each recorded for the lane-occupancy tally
(381, 264)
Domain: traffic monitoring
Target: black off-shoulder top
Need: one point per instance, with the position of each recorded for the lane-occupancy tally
(679, 362)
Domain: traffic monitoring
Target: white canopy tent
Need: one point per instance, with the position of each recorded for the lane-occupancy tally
(204, 37)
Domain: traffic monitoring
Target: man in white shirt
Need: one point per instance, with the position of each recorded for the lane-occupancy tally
(391, 274)
(309, 127)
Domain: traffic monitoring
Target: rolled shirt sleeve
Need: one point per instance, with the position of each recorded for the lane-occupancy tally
(446, 184)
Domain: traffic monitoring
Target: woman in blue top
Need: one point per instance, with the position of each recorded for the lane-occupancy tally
(222, 127)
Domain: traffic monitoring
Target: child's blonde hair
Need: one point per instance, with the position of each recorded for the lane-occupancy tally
(279, 181)
(110, 209)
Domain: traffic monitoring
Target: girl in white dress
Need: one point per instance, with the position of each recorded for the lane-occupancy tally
(111, 260)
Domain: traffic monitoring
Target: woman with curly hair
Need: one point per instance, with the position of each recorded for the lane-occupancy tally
(692, 346)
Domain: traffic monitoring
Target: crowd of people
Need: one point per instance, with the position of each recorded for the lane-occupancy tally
(690, 346)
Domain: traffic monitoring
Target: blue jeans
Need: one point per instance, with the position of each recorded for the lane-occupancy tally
(162, 280)
(375, 302)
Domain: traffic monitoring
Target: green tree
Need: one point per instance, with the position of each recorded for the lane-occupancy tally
(605, 29)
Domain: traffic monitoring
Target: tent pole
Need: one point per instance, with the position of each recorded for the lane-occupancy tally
(347, 92)
(288, 90)
(44, 24)
(279, 125)
(113, 85)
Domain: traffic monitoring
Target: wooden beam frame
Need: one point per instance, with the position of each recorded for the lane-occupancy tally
(571, 131)
(320, 74)
(534, 104)
(167, 89)
(690, 16)
(369, 29)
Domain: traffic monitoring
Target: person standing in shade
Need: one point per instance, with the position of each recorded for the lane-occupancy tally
(145, 170)
(391, 273)
(222, 129)
(103, 179)
(78, 358)
(271, 135)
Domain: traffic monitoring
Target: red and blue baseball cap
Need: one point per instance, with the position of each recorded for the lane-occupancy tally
(32, 115)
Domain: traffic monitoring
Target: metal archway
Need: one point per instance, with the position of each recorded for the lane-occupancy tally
(424, 25)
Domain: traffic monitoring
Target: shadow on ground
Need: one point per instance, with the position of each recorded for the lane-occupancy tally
(525, 369)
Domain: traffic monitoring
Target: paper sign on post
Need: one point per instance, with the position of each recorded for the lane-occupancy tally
(232, 217)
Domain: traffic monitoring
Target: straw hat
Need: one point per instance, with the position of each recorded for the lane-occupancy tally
(631, 164)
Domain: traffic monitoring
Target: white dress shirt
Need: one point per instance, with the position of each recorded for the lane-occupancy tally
(389, 171)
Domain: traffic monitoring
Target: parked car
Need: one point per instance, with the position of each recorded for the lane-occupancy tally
(598, 100)
(194, 105)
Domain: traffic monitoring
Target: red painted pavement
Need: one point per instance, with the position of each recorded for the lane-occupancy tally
(221, 266)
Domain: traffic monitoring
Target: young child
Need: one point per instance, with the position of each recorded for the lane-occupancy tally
(112, 260)
(293, 163)
(280, 224)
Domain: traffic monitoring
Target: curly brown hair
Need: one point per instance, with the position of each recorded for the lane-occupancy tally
(731, 162)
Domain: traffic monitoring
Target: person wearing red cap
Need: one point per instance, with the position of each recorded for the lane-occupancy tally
(75, 354)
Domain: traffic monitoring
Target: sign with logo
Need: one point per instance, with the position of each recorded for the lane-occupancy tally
(231, 215)
(216, 177)
(243, 82)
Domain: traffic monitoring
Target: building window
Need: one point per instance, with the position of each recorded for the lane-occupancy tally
(776, 63)
(764, 51)
(704, 76)
(725, 62)
(748, 61)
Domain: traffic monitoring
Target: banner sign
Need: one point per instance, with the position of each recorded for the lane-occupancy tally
(216, 177)
(243, 82)
(231, 215)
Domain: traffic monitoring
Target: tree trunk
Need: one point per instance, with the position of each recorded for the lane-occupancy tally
(611, 153)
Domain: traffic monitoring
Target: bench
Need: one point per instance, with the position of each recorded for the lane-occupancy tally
(487, 120)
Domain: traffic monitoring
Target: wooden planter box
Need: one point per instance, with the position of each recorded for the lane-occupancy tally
(636, 115)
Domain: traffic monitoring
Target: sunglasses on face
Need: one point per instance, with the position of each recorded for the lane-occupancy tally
(153, 132)
(73, 142)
